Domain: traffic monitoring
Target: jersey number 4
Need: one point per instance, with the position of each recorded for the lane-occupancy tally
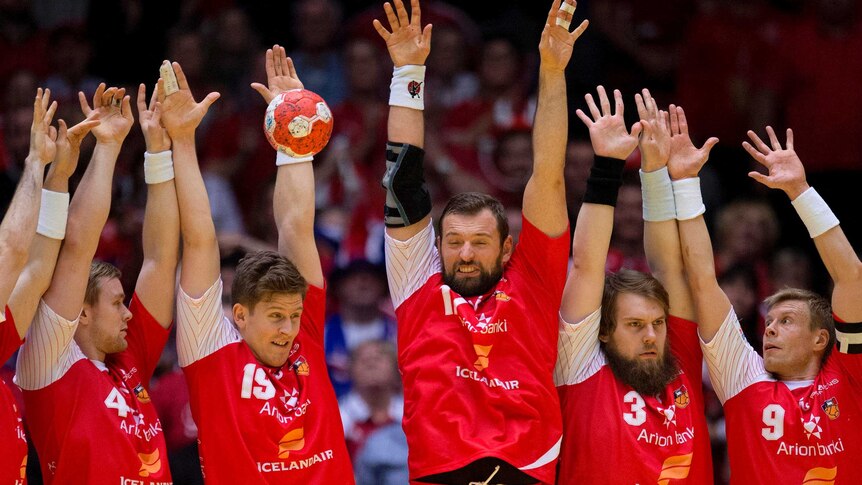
(115, 400)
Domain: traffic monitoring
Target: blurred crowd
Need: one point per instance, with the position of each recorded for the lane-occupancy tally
(732, 65)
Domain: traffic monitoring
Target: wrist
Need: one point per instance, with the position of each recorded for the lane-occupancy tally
(407, 88)
(814, 212)
(795, 191)
(34, 159)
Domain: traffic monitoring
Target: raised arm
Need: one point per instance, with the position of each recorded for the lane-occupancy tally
(91, 205)
(711, 302)
(181, 115)
(19, 224)
(36, 277)
(408, 204)
(293, 201)
(161, 233)
(545, 194)
(787, 173)
(612, 144)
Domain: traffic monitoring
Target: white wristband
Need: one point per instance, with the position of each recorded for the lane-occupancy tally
(285, 159)
(407, 86)
(657, 191)
(158, 167)
(814, 212)
(53, 214)
(687, 197)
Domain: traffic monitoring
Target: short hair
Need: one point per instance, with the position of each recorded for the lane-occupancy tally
(261, 275)
(99, 271)
(629, 281)
(818, 307)
(472, 203)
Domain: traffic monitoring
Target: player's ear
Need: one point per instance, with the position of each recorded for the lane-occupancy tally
(240, 315)
(822, 340)
(508, 247)
(84, 319)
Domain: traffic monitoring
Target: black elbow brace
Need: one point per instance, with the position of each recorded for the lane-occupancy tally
(605, 180)
(407, 199)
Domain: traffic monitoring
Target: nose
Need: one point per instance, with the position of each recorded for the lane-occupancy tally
(649, 335)
(770, 329)
(466, 252)
(127, 315)
(288, 327)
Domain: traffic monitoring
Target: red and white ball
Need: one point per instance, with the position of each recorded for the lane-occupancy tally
(298, 123)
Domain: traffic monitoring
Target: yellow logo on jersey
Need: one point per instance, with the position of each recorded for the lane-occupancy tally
(675, 468)
(501, 296)
(830, 407)
(142, 394)
(301, 367)
(23, 470)
(820, 476)
(150, 463)
(294, 440)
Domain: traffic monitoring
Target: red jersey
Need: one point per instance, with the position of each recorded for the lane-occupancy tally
(13, 458)
(455, 413)
(257, 424)
(614, 435)
(789, 431)
(92, 422)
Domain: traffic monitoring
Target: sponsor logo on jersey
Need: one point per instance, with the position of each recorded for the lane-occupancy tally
(500, 295)
(820, 476)
(23, 470)
(675, 468)
(830, 407)
(128, 375)
(669, 415)
(482, 352)
(812, 427)
(680, 397)
(142, 394)
(282, 466)
(151, 463)
(293, 440)
(492, 382)
(301, 366)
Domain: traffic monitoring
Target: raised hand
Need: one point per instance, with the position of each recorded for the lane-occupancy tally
(43, 136)
(686, 160)
(555, 46)
(114, 111)
(150, 118)
(655, 143)
(408, 43)
(69, 144)
(785, 168)
(608, 131)
(280, 74)
(180, 113)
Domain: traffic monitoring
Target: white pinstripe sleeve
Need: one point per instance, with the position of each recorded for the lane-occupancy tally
(579, 354)
(49, 350)
(733, 365)
(202, 327)
(410, 263)
(2, 315)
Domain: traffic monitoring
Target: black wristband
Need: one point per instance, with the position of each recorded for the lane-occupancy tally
(605, 180)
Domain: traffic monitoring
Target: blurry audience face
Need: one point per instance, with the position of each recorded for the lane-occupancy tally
(742, 295)
(187, 48)
(361, 289)
(746, 231)
(515, 157)
(791, 269)
(499, 68)
(20, 91)
(374, 366)
(628, 217)
(316, 24)
(579, 159)
(363, 64)
(234, 32)
(17, 133)
(447, 52)
(70, 54)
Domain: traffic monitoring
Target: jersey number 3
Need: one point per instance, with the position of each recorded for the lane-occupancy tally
(637, 416)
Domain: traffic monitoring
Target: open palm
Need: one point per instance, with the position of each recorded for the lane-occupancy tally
(408, 43)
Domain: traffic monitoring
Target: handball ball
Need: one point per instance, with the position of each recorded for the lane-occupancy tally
(298, 123)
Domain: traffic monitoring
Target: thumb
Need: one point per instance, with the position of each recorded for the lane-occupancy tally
(636, 129)
(709, 144)
(759, 177)
(263, 91)
(210, 99)
(426, 34)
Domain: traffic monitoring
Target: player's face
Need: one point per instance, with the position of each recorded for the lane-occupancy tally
(270, 327)
(641, 330)
(471, 255)
(109, 317)
(789, 343)
(637, 351)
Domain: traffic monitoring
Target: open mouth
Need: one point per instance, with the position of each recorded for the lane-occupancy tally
(281, 344)
(467, 269)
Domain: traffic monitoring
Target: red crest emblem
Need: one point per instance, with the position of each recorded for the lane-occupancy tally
(414, 88)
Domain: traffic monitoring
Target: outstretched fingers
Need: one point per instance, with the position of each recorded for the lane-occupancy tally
(403, 19)
(603, 99)
(789, 139)
(583, 116)
(683, 122)
(415, 13)
(182, 82)
(619, 107)
(394, 24)
(755, 154)
(591, 104)
(758, 143)
(776, 145)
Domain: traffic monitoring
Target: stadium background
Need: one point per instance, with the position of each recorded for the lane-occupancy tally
(732, 65)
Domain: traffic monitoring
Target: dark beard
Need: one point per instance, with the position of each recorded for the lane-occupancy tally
(648, 378)
(474, 286)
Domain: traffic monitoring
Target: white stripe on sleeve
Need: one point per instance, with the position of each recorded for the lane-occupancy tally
(202, 327)
(733, 365)
(579, 354)
(410, 263)
(49, 350)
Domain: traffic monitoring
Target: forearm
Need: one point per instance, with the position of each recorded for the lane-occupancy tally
(34, 281)
(406, 125)
(19, 224)
(161, 229)
(293, 206)
(711, 302)
(590, 243)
